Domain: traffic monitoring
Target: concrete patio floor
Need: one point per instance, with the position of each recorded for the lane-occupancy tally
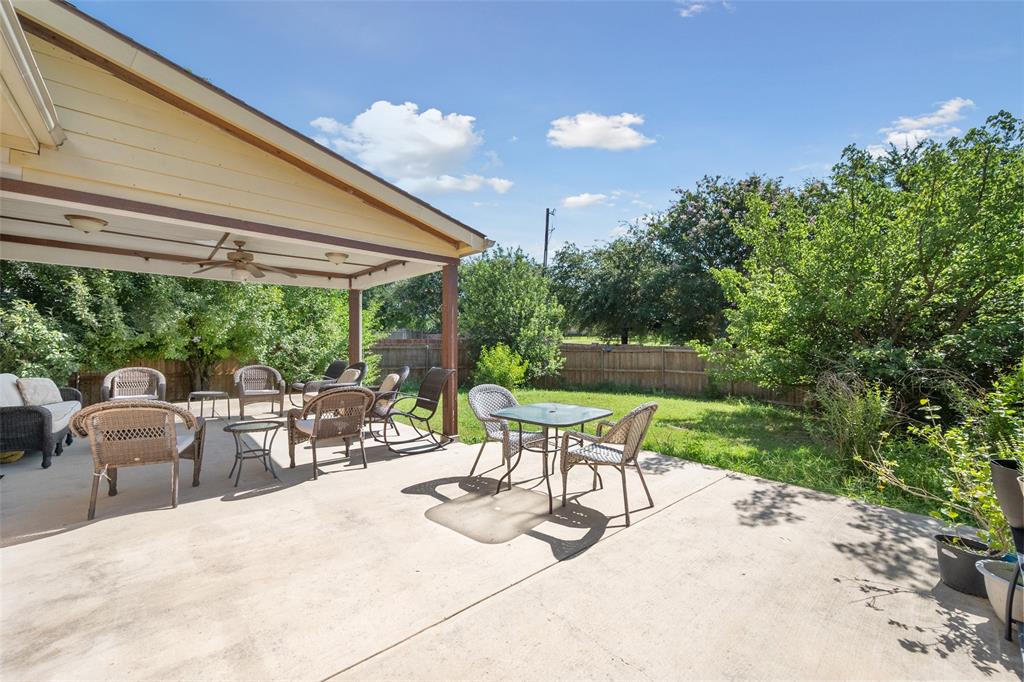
(411, 570)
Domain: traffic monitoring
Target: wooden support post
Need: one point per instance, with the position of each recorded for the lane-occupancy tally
(450, 347)
(355, 326)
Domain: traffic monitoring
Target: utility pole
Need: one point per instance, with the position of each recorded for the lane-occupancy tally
(548, 212)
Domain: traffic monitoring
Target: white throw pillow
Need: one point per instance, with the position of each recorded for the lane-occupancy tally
(39, 391)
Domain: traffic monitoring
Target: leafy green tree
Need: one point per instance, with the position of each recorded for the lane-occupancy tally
(30, 347)
(409, 304)
(912, 261)
(692, 239)
(607, 289)
(506, 299)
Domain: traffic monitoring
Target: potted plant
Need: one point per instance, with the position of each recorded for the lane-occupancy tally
(978, 529)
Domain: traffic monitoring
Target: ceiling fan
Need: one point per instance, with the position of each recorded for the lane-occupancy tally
(241, 262)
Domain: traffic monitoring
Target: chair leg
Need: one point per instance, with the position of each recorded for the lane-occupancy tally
(291, 452)
(197, 465)
(174, 484)
(362, 448)
(650, 500)
(625, 495)
(477, 460)
(67, 438)
(593, 485)
(95, 490)
(312, 442)
(111, 481)
(565, 482)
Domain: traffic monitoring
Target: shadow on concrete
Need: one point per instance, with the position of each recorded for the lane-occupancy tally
(970, 627)
(775, 503)
(482, 516)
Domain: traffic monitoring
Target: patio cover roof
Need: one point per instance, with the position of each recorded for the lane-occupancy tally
(99, 125)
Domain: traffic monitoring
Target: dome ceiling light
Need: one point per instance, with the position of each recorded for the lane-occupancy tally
(86, 224)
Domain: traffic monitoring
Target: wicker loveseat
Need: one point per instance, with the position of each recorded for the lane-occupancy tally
(42, 428)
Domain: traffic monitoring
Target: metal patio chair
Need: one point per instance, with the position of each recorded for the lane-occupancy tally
(258, 384)
(330, 375)
(486, 399)
(334, 413)
(428, 399)
(617, 447)
(134, 383)
(384, 396)
(128, 433)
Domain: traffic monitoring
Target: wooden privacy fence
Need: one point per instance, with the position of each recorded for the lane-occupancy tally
(672, 369)
(179, 380)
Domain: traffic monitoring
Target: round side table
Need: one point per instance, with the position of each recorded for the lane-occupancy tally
(212, 396)
(257, 451)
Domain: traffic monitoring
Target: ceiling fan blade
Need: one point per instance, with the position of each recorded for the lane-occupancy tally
(254, 271)
(271, 268)
(205, 261)
(209, 267)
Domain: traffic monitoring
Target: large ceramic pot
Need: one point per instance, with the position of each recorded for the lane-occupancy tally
(957, 563)
(1005, 475)
(997, 575)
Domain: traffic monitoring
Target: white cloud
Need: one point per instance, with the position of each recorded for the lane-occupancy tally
(620, 231)
(908, 131)
(692, 9)
(440, 184)
(581, 200)
(423, 150)
(597, 131)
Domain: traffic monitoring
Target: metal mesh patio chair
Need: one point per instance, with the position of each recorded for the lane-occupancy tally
(128, 433)
(258, 384)
(428, 399)
(486, 399)
(334, 413)
(134, 383)
(331, 374)
(617, 447)
(384, 396)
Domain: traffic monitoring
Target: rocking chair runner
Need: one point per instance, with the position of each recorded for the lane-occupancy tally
(419, 415)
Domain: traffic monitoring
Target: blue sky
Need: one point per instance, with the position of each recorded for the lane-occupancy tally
(495, 111)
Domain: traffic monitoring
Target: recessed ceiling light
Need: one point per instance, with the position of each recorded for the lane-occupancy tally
(336, 257)
(85, 223)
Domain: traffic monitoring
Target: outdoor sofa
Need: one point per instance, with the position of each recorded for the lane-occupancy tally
(36, 427)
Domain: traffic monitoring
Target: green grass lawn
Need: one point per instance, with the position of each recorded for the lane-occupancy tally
(753, 438)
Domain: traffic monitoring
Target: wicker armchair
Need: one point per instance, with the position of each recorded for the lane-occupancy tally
(419, 415)
(45, 428)
(334, 413)
(258, 384)
(134, 383)
(486, 399)
(384, 396)
(617, 447)
(128, 433)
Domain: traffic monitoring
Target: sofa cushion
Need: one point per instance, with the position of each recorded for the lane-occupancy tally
(10, 396)
(61, 413)
(39, 391)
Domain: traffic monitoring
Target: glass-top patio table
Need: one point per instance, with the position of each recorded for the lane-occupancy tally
(549, 416)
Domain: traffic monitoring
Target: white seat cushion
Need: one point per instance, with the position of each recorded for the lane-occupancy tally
(263, 391)
(61, 413)
(141, 396)
(185, 439)
(304, 425)
(10, 396)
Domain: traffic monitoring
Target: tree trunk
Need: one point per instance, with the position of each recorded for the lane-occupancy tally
(624, 337)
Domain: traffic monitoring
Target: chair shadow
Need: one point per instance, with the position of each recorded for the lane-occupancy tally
(516, 521)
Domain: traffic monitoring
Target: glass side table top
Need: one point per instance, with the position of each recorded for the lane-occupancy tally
(253, 426)
(551, 414)
(209, 394)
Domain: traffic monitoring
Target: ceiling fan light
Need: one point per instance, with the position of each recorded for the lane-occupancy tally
(240, 274)
(85, 224)
(336, 257)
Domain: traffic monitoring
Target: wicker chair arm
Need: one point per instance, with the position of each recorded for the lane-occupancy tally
(79, 421)
(567, 435)
(602, 424)
(68, 393)
(161, 389)
(25, 416)
(105, 392)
